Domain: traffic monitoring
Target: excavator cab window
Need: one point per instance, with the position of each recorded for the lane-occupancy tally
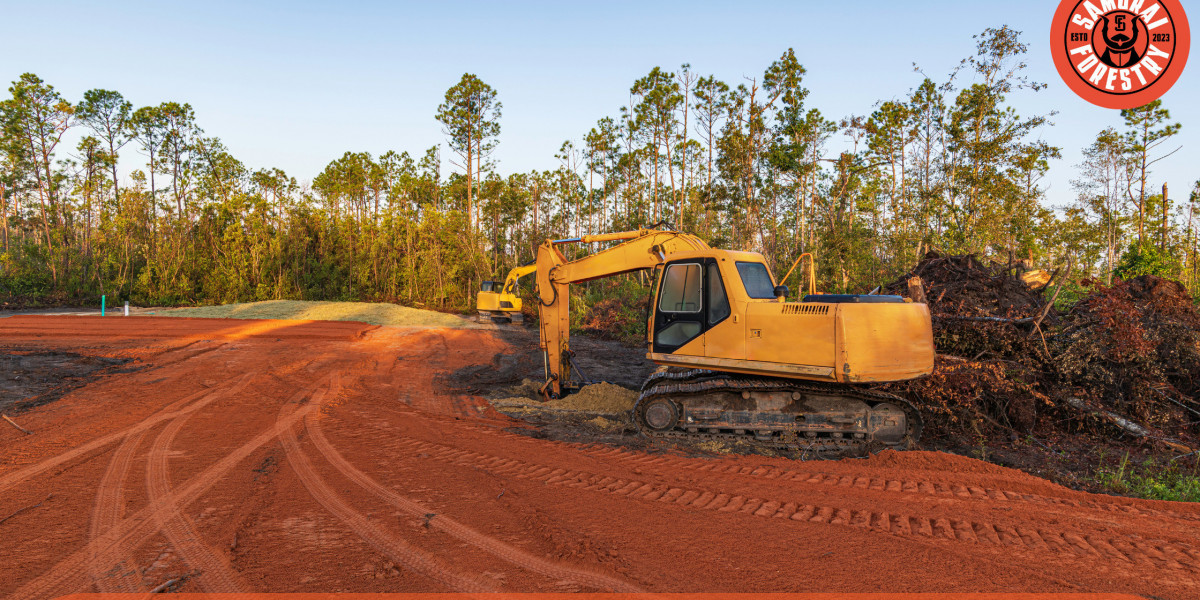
(756, 280)
(678, 317)
(651, 302)
(691, 298)
(488, 286)
(681, 289)
(718, 300)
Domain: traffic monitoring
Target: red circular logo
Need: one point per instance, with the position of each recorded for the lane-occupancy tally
(1120, 53)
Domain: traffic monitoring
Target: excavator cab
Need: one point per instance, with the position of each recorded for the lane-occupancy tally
(721, 309)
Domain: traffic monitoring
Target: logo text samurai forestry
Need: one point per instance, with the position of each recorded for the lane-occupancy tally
(1120, 53)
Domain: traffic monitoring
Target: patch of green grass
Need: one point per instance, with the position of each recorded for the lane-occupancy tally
(375, 313)
(1152, 480)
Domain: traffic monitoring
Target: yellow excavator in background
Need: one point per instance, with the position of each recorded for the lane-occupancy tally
(500, 302)
(742, 362)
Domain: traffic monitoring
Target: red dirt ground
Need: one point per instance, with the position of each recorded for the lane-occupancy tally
(284, 456)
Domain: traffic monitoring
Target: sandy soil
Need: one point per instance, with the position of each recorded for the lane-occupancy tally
(285, 456)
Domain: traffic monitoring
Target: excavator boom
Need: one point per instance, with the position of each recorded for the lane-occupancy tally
(640, 249)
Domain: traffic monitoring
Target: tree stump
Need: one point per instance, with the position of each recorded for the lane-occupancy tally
(916, 290)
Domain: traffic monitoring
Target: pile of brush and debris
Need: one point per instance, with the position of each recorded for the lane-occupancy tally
(1122, 362)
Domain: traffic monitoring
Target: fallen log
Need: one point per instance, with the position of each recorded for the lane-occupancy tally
(162, 587)
(1127, 425)
(989, 319)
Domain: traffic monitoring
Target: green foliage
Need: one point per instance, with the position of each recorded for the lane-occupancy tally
(470, 117)
(1152, 480)
(1146, 259)
(613, 309)
(949, 165)
(1072, 291)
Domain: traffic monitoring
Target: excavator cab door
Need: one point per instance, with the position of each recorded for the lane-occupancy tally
(691, 298)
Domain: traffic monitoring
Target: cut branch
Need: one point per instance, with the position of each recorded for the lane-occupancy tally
(14, 424)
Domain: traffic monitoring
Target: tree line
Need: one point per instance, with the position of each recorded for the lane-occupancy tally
(949, 165)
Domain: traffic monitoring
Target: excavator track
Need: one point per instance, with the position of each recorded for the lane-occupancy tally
(821, 418)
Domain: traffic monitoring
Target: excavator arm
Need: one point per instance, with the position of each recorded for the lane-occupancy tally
(514, 276)
(640, 249)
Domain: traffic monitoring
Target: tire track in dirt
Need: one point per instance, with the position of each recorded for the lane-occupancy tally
(110, 507)
(216, 575)
(459, 531)
(185, 356)
(1131, 554)
(108, 511)
(862, 481)
(816, 476)
(72, 573)
(923, 486)
(170, 411)
(389, 544)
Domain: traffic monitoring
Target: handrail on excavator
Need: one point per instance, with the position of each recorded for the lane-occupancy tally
(812, 275)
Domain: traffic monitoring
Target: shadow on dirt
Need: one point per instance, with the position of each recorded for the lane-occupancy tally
(597, 360)
(31, 378)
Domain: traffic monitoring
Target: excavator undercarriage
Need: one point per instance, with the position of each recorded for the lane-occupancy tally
(822, 418)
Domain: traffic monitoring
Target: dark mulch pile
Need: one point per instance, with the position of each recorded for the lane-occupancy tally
(1134, 349)
(1123, 363)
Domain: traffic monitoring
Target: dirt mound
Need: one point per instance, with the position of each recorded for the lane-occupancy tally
(917, 460)
(601, 398)
(598, 397)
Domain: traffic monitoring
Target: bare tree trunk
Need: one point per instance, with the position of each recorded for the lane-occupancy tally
(470, 202)
(1166, 206)
(798, 231)
(654, 192)
(686, 78)
(112, 153)
(4, 214)
(671, 175)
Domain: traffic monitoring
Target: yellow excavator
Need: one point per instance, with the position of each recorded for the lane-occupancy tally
(738, 361)
(500, 302)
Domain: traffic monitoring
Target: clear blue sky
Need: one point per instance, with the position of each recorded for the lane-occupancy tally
(295, 84)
